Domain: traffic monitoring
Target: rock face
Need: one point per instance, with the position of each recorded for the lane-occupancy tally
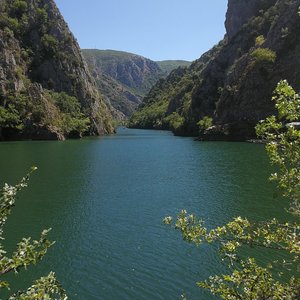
(46, 90)
(125, 78)
(254, 77)
(240, 12)
(233, 82)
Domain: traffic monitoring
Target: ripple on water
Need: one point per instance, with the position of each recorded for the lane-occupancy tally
(106, 198)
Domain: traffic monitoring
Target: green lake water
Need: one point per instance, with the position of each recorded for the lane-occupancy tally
(105, 199)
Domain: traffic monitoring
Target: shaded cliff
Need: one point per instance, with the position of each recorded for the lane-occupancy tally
(125, 78)
(233, 82)
(46, 90)
(239, 12)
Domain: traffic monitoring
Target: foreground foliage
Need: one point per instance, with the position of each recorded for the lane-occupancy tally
(246, 278)
(27, 253)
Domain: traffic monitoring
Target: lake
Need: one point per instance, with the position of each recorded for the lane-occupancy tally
(105, 199)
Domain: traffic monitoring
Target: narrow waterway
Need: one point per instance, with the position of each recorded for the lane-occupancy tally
(105, 199)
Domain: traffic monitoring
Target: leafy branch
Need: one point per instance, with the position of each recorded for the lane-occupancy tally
(247, 279)
(27, 253)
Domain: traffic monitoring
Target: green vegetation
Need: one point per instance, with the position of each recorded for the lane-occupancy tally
(57, 110)
(153, 112)
(9, 117)
(150, 116)
(246, 278)
(174, 121)
(72, 119)
(43, 94)
(135, 73)
(176, 91)
(14, 16)
(167, 66)
(233, 81)
(283, 139)
(108, 55)
(205, 123)
(120, 96)
(13, 111)
(19, 7)
(259, 40)
(264, 56)
(125, 78)
(27, 253)
(49, 45)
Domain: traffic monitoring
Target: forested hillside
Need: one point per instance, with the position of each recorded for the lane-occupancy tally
(231, 85)
(46, 91)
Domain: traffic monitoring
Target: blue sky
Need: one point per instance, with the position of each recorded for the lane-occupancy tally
(156, 29)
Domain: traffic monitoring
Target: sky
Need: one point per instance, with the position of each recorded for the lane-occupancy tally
(156, 29)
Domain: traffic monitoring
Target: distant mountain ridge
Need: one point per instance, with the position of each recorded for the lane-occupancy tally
(167, 66)
(125, 78)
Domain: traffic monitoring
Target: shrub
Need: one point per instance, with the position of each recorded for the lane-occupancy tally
(18, 8)
(205, 123)
(50, 45)
(72, 117)
(264, 57)
(9, 117)
(174, 121)
(259, 40)
(42, 15)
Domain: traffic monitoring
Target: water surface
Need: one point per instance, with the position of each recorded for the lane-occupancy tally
(105, 199)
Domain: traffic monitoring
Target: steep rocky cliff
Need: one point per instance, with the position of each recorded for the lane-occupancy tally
(125, 78)
(240, 12)
(46, 90)
(233, 82)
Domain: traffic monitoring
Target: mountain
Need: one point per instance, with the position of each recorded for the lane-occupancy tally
(233, 82)
(125, 78)
(167, 66)
(46, 90)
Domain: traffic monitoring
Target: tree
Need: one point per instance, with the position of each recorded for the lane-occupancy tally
(264, 57)
(205, 123)
(27, 252)
(174, 120)
(247, 279)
